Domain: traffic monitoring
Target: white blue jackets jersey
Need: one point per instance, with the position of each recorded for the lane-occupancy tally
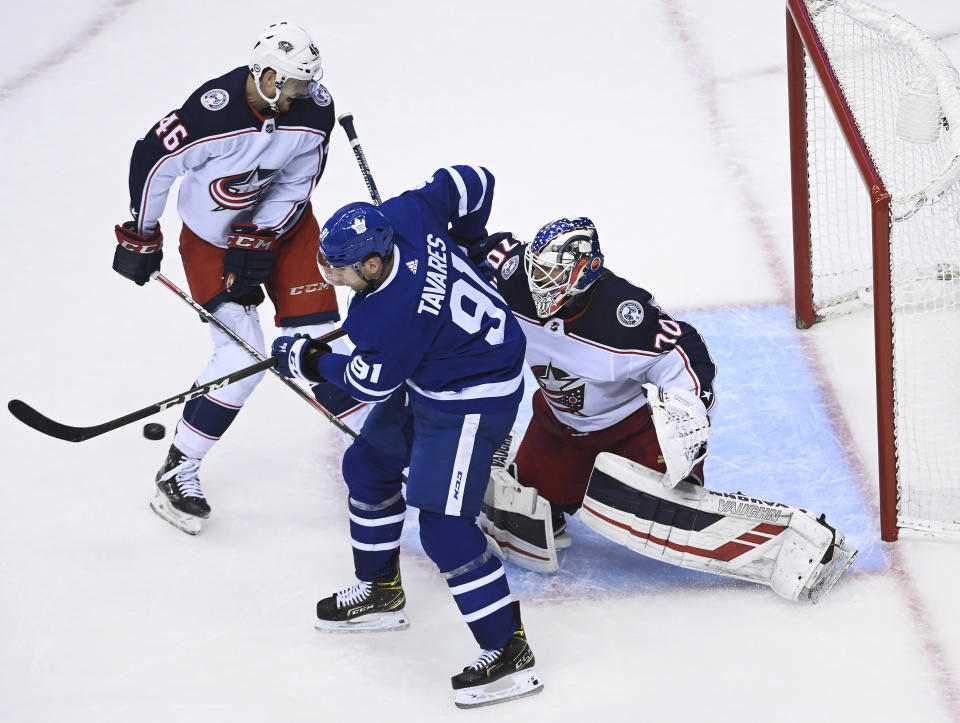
(237, 166)
(590, 366)
(434, 324)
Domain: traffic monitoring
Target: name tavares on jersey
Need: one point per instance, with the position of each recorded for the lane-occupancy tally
(435, 288)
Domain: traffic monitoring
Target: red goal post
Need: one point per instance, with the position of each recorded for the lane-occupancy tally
(874, 112)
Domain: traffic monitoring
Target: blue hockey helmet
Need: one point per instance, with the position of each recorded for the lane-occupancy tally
(353, 233)
(563, 260)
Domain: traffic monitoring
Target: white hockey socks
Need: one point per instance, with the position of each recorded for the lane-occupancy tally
(786, 548)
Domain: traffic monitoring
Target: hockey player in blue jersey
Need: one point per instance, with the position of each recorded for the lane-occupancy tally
(250, 147)
(620, 428)
(440, 355)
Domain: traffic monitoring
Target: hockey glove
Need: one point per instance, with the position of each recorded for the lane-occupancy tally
(136, 256)
(297, 356)
(248, 261)
(488, 253)
(471, 245)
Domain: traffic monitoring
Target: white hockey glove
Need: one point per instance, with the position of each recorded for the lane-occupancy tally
(682, 427)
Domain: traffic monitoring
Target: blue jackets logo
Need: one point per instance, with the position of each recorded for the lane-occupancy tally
(562, 391)
(242, 190)
(321, 96)
(215, 99)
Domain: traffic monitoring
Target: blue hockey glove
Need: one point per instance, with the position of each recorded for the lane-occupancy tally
(470, 244)
(249, 259)
(297, 356)
(479, 251)
(136, 256)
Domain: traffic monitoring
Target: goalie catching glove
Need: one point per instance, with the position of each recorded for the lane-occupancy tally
(682, 427)
(297, 356)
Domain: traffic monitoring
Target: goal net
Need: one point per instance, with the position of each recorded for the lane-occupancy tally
(875, 149)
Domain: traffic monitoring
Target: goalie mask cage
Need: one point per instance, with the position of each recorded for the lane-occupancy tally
(875, 157)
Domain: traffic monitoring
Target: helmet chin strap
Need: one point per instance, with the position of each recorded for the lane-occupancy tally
(272, 102)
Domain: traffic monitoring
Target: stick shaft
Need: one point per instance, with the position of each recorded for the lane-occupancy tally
(32, 418)
(210, 318)
(346, 120)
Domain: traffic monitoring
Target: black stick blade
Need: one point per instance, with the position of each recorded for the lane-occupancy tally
(32, 418)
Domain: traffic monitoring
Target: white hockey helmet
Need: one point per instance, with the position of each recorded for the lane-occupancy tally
(563, 260)
(290, 52)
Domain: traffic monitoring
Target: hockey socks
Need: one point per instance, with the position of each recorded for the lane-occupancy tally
(375, 531)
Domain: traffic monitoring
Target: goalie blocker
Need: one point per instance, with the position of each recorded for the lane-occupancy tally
(799, 556)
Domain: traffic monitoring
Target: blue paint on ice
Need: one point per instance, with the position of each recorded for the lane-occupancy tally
(772, 439)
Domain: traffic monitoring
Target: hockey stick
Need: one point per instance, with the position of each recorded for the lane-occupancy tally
(32, 418)
(346, 120)
(210, 318)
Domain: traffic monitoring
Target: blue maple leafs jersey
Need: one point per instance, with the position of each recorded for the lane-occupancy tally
(434, 324)
(237, 166)
(590, 366)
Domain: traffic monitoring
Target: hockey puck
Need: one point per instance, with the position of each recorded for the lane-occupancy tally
(154, 431)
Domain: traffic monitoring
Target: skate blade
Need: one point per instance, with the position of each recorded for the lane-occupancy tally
(843, 557)
(373, 623)
(563, 541)
(182, 521)
(509, 687)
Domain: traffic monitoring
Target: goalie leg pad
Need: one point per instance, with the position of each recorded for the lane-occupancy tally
(518, 524)
(726, 534)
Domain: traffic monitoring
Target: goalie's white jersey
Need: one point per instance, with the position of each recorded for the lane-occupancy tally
(591, 366)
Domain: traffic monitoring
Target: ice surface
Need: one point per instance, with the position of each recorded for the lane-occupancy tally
(665, 122)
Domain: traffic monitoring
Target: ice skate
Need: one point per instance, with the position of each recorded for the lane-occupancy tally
(834, 563)
(498, 675)
(367, 606)
(179, 498)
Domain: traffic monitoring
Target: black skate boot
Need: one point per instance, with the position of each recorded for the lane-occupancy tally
(179, 498)
(499, 675)
(367, 606)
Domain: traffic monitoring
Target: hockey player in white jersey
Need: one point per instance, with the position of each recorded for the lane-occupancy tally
(620, 429)
(250, 147)
(441, 358)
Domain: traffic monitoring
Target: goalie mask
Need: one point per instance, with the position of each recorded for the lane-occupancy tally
(293, 56)
(563, 260)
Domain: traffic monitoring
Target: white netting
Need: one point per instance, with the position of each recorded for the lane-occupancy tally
(905, 97)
